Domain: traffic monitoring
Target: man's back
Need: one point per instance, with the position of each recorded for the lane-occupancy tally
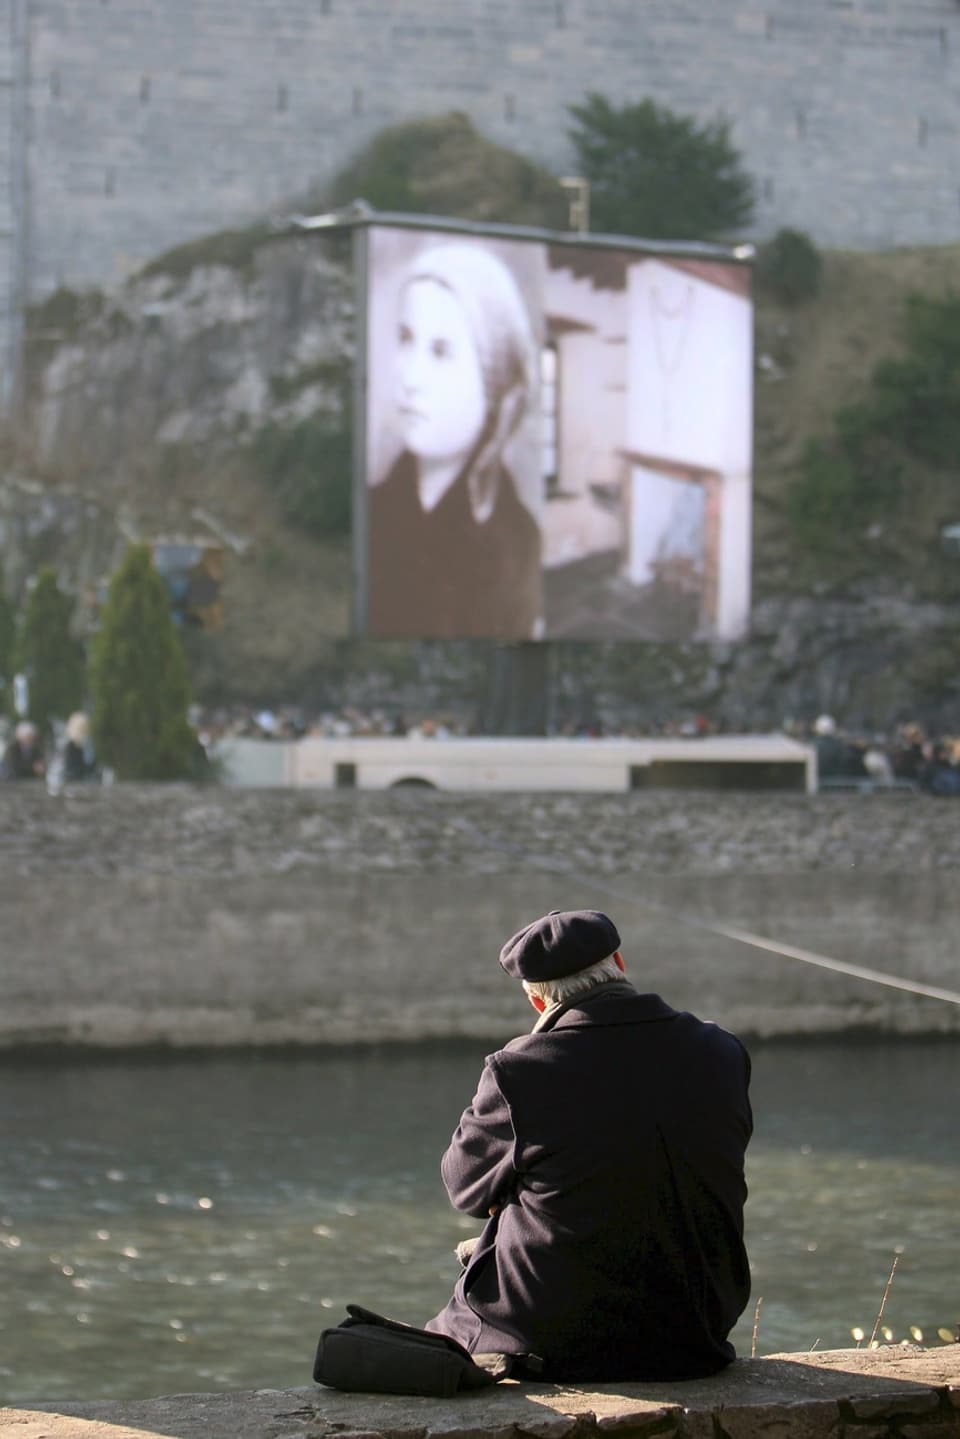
(612, 1142)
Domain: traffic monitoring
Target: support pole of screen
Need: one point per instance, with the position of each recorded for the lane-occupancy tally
(359, 427)
(517, 698)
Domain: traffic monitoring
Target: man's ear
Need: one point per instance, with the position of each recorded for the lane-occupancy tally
(538, 1002)
(620, 964)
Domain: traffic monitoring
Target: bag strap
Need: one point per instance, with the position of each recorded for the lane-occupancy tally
(358, 1314)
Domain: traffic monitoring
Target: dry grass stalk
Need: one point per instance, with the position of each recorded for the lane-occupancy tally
(756, 1328)
(883, 1301)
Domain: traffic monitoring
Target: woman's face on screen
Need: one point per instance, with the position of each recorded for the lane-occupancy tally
(440, 395)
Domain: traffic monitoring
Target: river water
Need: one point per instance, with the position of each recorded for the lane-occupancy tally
(188, 1224)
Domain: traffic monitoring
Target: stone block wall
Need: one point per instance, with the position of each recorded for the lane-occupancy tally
(128, 127)
(149, 123)
(170, 915)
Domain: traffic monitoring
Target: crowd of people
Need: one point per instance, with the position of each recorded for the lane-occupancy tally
(910, 757)
(291, 723)
(69, 760)
(907, 758)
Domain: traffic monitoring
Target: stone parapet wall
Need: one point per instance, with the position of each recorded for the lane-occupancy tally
(902, 1393)
(172, 915)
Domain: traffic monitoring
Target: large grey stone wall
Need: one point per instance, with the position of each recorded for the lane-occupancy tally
(152, 123)
(180, 916)
(14, 208)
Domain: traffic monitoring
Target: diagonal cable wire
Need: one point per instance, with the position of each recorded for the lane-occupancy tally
(739, 936)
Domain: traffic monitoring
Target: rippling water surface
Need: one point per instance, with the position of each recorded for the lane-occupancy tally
(178, 1224)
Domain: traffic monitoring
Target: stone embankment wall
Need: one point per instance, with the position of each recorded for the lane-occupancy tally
(889, 1393)
(172, 915)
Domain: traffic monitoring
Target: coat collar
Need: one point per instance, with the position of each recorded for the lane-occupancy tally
(615, 1002)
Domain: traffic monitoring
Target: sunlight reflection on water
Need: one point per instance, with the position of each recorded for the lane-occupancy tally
(189, 1224)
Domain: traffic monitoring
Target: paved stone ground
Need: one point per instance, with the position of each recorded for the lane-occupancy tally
(841, 1394)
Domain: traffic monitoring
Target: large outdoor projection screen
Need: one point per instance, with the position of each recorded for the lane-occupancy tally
(555, 439)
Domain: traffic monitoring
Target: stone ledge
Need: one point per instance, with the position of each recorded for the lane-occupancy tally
(840, 1394)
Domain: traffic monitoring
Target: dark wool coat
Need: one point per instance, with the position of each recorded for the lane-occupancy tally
(612, 1142)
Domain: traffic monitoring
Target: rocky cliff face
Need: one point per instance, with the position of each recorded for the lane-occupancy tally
(202, 349)
(146, 415)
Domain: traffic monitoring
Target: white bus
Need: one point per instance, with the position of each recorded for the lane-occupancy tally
(766, 761)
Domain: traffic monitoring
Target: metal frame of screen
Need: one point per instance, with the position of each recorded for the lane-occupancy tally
(359, 432)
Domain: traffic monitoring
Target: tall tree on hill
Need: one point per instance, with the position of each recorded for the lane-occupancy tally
(658, 174)
(48, 654)
(139, 680)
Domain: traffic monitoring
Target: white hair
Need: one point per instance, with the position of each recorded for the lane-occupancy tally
(78, 728)
(557, 991)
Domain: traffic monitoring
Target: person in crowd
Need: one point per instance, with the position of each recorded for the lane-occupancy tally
(877, 762)
(837, 757)
(606, 1152)
(23, 757)
(453, 550)
(828, 745)
(79, 762)
(939, 774)
(907, 755)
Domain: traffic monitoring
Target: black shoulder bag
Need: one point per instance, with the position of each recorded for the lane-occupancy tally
(370, 1354)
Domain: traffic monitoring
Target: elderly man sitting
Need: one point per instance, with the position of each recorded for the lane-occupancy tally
(605, 1150)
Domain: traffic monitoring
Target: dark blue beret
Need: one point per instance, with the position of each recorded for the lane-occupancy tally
(560, 944)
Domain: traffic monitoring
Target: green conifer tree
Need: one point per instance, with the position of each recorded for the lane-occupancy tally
(658, 174)
(139, 680)
(48, 654)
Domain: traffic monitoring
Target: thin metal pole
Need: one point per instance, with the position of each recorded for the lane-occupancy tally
(361, 260)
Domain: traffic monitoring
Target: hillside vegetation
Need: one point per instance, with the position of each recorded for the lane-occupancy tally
(818, 359)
